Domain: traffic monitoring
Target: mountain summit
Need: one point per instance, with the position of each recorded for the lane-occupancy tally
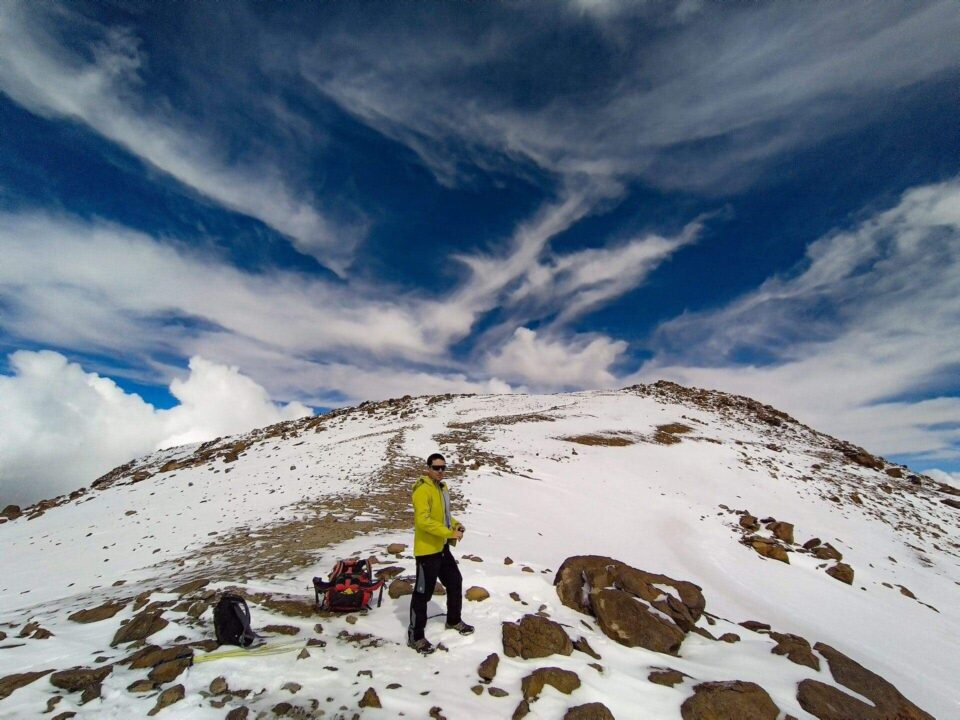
(653, 552)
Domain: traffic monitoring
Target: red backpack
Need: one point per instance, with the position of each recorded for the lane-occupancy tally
(349, 588)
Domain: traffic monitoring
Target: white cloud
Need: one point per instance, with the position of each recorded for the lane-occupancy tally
(704, 103)
(554, 363)
(39, 73)
(62, 427)
(950, 478)
(862, 342)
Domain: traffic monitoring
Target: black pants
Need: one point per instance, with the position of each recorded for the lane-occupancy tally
(430, 568)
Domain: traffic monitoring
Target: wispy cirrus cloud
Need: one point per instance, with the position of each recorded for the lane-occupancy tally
(705, 100)
(860, 341)
(103, 90)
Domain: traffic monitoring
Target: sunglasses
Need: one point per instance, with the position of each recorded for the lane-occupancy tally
(438, 468)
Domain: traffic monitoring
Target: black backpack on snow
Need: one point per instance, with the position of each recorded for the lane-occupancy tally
(231, 620)
(349, 588)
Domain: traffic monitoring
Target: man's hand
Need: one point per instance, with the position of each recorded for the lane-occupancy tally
(458, 533)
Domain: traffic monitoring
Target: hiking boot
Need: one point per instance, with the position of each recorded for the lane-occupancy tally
(461, 627)
(422, 646)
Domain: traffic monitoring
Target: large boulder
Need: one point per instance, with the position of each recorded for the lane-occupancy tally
(827, 702)
(101, 612)
(535, 637)
(633, 607)
(84, 680)
(13, 682)
(589, 711)
(732, 699)
(796, 649)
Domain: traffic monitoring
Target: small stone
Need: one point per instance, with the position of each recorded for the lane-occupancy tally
(141, 686)
(395, 686)
(522, 709)
(589, 711)
(566, 681)
(842, 572)
(488, 668)
(526, 569)
(730, 638)
(476, 594)
(811, 543)
(396, 548)
(436, 712)
(303, 654)
(370, 699)
(596, 666)
(218, 686)
(667, 678)
(239, 713)
(497, 692)
(165, 672)
(515, 597)
(351, 619)
(292, 687)
(583, 646)
(168, 697)
(399, 587)
(101, 612)
(282, 629)
(281, 709)
(508, 561)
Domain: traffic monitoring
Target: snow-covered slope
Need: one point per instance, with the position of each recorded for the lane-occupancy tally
(659, 477)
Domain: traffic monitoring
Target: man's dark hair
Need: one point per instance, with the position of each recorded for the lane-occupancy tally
(435, 456)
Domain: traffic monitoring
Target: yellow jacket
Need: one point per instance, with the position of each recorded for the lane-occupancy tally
(430, 531)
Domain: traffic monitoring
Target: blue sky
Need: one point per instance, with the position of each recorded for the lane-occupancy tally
(343, 201)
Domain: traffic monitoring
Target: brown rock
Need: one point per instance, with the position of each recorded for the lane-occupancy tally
(165, 672)
(632, 624)
(811, 543)
(488, 668)
(281, 709)
(18, 680)
(370, 699)
(730, 638)
(141, 686)
(168, 697)
(583, 646)
(497, 692)
(783, 531)
(282, 629)
(289, 605)
(894, 472)
(829, 703)
(11, 512)
(141, 626)
(80, 678)
(64, 715)
(303, 654)
(749, 522)
(732, 699)
(508, 561)
(755, 625)
(521, 711)
(842, 572)
(151, 656)
(566, 681)
(399, 587)
(589, 711)
(396, 548)
(950, 502)
(796, 648)
(771, 550)
(101, 612)
(388, 573)
(535, 637)
(477, 594)
(668, 677)
(239, 713)
(827, 552)
(190, 587)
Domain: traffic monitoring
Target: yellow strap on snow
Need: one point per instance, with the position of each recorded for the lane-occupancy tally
(248, 652)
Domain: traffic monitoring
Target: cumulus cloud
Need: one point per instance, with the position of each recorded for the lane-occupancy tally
(860, 341)
(62, 427)
(39, 72)
(555, 364)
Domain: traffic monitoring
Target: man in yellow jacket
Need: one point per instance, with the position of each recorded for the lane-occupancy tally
(433, 530)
